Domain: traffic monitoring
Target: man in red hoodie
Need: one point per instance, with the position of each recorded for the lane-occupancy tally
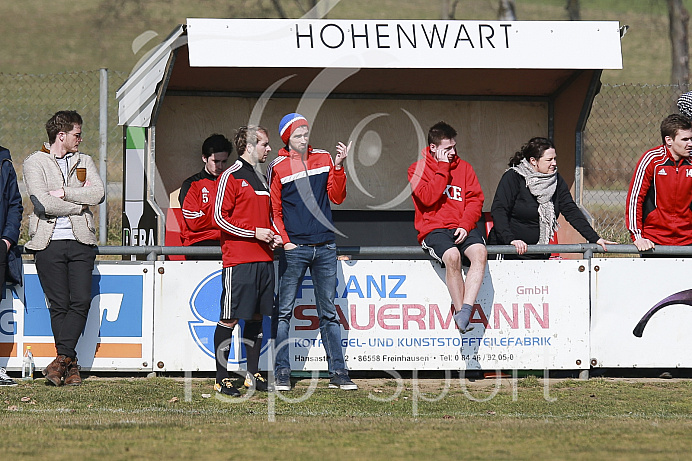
(448, 200)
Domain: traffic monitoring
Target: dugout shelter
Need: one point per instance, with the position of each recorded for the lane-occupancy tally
(380, 84)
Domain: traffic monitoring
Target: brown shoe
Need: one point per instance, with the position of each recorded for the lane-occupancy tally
(72, 376)
(55, 371)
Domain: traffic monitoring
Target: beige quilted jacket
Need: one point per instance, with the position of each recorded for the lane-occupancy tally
(41, 175)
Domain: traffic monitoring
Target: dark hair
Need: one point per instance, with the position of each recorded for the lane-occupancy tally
(62, 121)
(532, 149)
(247, 134)
(440, 131)
(672, 124)
(216, 143)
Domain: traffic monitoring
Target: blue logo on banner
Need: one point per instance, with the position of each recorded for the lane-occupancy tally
(124, 320)
(205, 306)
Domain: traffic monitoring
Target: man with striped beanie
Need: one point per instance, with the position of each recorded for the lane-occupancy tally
(302, 182)
(685, 104)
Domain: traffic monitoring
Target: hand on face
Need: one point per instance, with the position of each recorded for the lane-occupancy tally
(445, 151)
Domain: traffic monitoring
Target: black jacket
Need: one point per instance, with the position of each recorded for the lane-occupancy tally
(10, 215)
(515, 211)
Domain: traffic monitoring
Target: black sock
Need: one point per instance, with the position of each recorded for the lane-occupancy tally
(252, 337)
(222, 346)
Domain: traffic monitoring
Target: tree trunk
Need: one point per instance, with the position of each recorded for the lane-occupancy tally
(573, 10)
(279, 9)
(506, 11)
(679, 17)
(445, 12)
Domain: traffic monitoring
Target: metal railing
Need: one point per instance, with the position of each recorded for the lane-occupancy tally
(588, 250)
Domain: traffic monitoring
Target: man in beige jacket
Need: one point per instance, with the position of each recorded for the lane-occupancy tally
(62, 183)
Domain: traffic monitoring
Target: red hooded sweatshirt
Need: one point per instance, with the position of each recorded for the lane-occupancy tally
(445, 195)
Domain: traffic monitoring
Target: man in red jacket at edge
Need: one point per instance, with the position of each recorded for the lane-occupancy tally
(449, 201)
(660, 195)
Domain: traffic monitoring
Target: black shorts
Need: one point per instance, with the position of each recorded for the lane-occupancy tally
(248, 289)
(441, 240)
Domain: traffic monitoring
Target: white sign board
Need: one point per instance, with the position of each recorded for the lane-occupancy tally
(118, 332)
(342, 43)
(641, 313)
(395, 315)
(186, 312)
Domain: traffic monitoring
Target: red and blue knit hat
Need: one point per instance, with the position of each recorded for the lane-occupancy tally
(289, 123)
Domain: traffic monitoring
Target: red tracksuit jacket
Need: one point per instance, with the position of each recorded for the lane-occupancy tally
(242, 205)
(659, 200)
(198, 211)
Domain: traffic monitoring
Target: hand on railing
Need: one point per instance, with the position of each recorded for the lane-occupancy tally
(643, 244)
(603, 242)
(520, 245)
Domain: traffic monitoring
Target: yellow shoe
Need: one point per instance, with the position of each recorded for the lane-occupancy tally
(226, 387)
(257, 381)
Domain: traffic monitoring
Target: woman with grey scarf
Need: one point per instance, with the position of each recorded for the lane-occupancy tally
(530, 197)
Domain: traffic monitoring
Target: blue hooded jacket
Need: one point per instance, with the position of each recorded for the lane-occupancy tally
(10, 216)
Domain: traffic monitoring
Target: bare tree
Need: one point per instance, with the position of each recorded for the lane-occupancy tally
(679, 18)
(506, 11)
(448, 9)
(573, 10)
(303, 6)
(279, 9)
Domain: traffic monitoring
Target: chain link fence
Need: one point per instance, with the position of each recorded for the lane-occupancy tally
(623, 124)
(28, 101)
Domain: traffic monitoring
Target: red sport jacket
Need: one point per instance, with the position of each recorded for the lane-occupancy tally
(198, 211)
(659, 200)
(445, 195)
(242, 205)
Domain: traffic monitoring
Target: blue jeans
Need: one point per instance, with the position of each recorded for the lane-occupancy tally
(292, 266)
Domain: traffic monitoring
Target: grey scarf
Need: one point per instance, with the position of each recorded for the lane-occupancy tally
(542, 186)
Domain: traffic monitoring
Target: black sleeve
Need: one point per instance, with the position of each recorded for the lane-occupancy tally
(183, 191)
(572, 213)
(503, 203)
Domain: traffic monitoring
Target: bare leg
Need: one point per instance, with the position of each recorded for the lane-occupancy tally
(478, 256)
(464, 294)
(453, 278)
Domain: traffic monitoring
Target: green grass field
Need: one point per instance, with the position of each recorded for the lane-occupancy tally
(171, 418)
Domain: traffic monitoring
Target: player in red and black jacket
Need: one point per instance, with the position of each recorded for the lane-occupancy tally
(242, 211)
(659, 201)
(448, 201)
(198, 192)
